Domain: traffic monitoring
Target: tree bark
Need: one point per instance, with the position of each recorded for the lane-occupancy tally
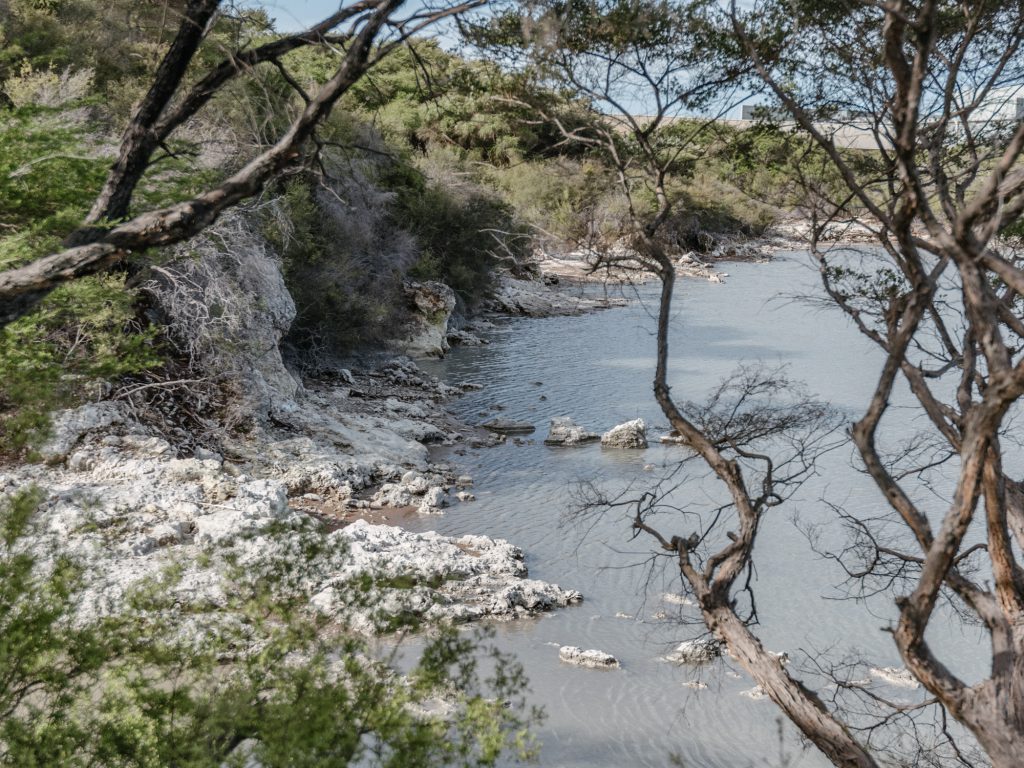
(153, 125)
(23, 288)
(139, 140)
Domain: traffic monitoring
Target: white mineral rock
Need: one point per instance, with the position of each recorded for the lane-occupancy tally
(898, 676)
(632, 434)
(564, 431)
(592, 659)
(695, 652)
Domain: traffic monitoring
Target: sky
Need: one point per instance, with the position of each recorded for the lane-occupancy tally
(293, 15)
(296, 15)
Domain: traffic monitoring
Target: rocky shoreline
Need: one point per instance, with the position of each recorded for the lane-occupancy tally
(332, 462)
(128, 507)
(318, 483)
(339, 456)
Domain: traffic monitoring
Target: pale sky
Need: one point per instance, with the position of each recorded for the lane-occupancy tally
(294, 15)
(297, 14)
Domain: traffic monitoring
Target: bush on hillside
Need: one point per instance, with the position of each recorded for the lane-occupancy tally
(84, 334)
(344, 261)
(464, 232)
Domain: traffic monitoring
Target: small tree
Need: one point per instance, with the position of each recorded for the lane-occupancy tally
(631, 73)
(935, 86)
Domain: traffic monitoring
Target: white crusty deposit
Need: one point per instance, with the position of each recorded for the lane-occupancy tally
(130, 506)
(565, 431)
(631, 434)
(592, 658)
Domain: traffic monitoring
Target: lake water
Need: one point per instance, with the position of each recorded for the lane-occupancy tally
(598, 369)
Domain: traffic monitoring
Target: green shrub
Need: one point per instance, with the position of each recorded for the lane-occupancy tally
(570, 202)
(463, 233)
(83, 333)
(132, 690)
(47, 169)
(344, 261)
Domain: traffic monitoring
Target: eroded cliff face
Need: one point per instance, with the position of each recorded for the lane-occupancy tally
(226, 306)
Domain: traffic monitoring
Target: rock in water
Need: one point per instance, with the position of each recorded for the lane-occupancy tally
(632, 434)
(898, 676)
(592, 659)
(564, 431)
(509, 426)
(434, 501)
(695, 652)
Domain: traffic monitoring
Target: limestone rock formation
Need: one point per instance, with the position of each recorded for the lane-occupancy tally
(592, 659)
(631, 434)
(432, 304)
(564, 431)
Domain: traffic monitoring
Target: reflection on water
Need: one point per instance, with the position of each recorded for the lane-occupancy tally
(598, 369)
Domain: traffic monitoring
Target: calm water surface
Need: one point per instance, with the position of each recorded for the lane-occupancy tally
(598, 369)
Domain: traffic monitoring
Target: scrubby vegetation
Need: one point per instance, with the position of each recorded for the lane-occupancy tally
(262, 680)
(431, 169)
(434, 166)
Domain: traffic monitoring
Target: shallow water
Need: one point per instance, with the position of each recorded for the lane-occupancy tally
(598, 369)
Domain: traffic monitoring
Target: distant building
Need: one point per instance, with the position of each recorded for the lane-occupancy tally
(1001, 105)
(848, 130)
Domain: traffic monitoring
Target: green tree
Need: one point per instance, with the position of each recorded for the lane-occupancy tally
(933, 85)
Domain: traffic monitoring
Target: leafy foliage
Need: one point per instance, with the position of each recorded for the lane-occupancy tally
(135, 691)
(86, 332)
(47, 172)
(425, 97)
(464, 232)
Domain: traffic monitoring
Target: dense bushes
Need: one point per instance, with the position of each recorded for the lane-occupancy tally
(464, 231)
(344, 260)
(350, 237)
(85, 334)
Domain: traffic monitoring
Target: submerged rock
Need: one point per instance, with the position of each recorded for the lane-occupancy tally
(564, 431)
(465, 339)
(695, 652)
(676, 599)
(509, 426)
(898, 676)
(592, 659)
(631, 434)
